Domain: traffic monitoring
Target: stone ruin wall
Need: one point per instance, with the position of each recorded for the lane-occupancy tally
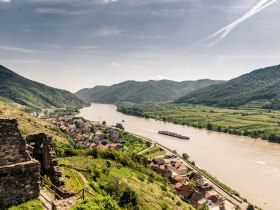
(43, 151)
(19, 173)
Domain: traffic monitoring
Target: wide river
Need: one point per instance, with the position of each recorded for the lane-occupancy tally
(250, 166)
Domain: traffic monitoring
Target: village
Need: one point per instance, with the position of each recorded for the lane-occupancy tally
(88, 134)
(189, 185)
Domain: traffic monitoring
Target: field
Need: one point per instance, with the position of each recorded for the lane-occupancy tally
(249, 120)
(154, 152)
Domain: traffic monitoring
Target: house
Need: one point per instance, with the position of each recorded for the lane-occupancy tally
(186, 192)
(178, 186)
(218, 200)
(208, 203)
(92, 145)
(159, 169)
(195, 197)
(176, 178)
(178, 167)
(104, 142)
(114, 146)
(203, 185)
(158, 161)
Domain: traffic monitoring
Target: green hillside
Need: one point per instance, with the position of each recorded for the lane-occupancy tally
(259, 85)
(20, 90)
(142, 92)
(29, 124)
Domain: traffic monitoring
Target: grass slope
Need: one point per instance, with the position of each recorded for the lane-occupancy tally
(152, 193)
(30, 205)
(29, 124)
(142, 92)
(262, 84)
(20, 90)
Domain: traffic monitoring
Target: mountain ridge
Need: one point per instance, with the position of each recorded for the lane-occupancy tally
(32, 94)
(141, 91)
(261, 84)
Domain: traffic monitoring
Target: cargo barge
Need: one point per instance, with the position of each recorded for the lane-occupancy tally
(176, 135)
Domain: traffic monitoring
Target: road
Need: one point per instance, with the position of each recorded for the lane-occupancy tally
(219, 189)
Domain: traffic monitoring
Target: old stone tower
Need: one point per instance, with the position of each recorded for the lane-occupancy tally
(19, 173)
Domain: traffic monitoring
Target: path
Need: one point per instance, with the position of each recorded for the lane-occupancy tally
(46, 198)
(145, 150)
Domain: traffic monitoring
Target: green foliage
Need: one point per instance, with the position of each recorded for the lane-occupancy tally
(142, 92)
(128, 199)
(132, 143)
(253, 122)
(97, 203)
(30, 205)
(185, 156)
(262, 84)
(33, 94)
(121, 183)
(120, 126)
(202, 207)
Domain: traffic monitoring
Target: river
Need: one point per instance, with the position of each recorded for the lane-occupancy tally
(250, 166)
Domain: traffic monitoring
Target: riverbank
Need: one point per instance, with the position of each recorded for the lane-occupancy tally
(231, 195)
(229, 158)
(244, 121)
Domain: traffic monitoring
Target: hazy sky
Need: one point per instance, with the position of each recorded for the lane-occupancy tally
(73, 44)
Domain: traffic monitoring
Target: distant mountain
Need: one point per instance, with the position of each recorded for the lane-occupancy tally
(20, 90)
(142, 92)
(259, 85)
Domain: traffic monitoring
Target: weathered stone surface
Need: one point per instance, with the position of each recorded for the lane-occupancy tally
(64, 204)
(19, 174)
(43, 151)
(13, 146)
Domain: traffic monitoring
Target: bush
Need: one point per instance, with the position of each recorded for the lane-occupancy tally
(128, 199)
(98, 203)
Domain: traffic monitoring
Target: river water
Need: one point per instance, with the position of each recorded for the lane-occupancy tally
(250, 166)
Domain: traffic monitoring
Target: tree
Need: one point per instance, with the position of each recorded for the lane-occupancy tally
(104, 123)
(128, 198)
(185, 156)
(250, 207)
(120, 126)
(202, 207)
(98, 203)
(209, 126)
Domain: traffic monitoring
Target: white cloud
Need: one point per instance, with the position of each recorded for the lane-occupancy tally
(48, 10)
(109, 1)
(108, 31)
(116, 65)
(86, 47)
(5, 1)
(168, 12)
(219, 35)
(16, 49)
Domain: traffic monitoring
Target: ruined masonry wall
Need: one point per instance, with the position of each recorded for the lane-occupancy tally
(19, 174)
(13, 146)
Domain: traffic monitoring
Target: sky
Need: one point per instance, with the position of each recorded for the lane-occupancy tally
(74, 44)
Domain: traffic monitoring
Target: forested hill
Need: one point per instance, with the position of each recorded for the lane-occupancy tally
(15, 88)
(142, 92)
(259, 85)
